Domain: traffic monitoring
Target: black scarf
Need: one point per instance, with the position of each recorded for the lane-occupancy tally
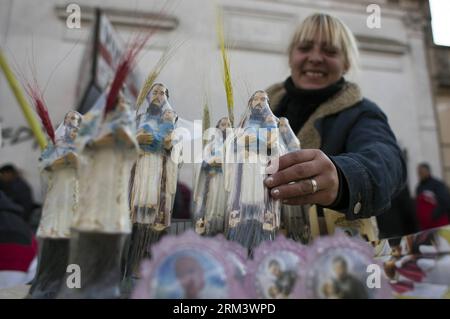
(297, 105)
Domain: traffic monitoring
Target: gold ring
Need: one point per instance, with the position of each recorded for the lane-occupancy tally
(314, 185)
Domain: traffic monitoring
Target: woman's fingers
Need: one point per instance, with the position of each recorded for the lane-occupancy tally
(292, 158)
(316, 198)
(294, 181)
(293, 173)
(324, 198)
(300, 188)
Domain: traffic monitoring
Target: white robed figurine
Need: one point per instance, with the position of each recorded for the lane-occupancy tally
(108, 148)
(253, 216)
(209, 195)
(294, 218)
(59, 163)
(155, 176)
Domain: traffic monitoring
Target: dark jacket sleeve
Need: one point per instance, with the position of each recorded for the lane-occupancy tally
(372, 164)
(443, 199)
(7, 205)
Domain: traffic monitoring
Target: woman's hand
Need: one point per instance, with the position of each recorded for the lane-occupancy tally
(292, 182)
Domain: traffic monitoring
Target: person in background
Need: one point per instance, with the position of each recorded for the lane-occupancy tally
(400, 219)
(18, 246)
(432, 199)
(17, 189)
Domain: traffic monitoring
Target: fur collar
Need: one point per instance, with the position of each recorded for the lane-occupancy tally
(309, 136)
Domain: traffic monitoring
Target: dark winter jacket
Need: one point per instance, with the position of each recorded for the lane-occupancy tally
(355, 134)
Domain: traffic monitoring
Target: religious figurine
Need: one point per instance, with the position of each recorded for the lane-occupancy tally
(155, 175)
(209, 197)
(288, 138)
(59, 163)
(253, 216)
(101, 225)
(294, 218)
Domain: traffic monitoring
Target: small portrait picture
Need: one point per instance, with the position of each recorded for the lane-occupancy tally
(340, 274)
(235, 218)
(269, 221)
(350, 232)
(416, 262)
(189, 274)
(276, 275)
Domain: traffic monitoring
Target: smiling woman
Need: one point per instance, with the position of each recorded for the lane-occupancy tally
(321, 40)
(350, 160)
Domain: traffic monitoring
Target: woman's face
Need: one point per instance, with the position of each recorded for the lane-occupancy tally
(315, 65)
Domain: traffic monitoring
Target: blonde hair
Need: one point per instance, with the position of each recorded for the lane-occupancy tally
(332, 31)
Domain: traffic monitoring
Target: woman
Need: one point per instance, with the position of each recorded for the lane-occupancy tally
(350, 160)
